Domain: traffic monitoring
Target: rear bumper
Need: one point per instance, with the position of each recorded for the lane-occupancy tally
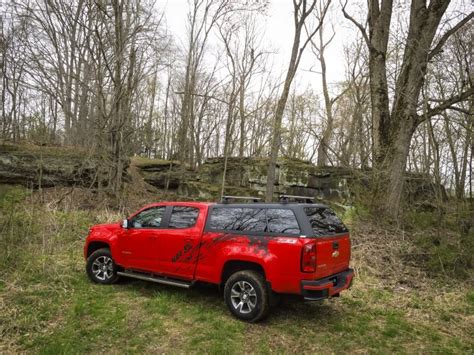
(313, 290)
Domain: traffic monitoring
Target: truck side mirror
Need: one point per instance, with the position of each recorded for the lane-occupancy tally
(125, 223)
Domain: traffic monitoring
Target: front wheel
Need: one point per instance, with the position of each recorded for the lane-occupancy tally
(246, 295)
(101, 267)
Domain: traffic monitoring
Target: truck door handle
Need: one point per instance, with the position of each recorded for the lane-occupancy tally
(335, 245)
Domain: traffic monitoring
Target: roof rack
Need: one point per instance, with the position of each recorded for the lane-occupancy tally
(226, 199)
(303, 199)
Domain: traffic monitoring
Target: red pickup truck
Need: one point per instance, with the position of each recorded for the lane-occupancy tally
(253, 250)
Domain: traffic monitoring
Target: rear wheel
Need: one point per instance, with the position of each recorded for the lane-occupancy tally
(247, 296)
(101, 267)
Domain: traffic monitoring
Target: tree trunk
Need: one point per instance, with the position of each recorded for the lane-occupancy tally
(242, 116)
(394, 164)
(301, 12)
(276, 141)
(328, 103)
(392, 131)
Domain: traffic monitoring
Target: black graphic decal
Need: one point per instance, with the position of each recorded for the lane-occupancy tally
(190, 253)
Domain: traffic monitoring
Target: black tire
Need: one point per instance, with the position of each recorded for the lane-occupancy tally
(275, 299)
(98, 259)
(252, 304)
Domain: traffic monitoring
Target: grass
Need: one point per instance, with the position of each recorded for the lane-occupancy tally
(47, 304)
(134, 316)
(27, 148)
(143, 161)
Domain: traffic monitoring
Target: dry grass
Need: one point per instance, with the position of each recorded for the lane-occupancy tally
(379, 252)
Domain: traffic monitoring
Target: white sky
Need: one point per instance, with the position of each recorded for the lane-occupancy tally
(279, 32)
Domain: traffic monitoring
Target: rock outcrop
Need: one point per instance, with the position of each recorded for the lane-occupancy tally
(35, 166)
(248, 176)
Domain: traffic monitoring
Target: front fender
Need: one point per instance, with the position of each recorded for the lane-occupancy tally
(107, 237)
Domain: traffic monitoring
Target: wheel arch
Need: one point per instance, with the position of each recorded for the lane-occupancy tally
(232, 266)
(96, 245)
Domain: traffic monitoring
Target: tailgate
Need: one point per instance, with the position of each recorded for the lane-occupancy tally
(332, 255)
(331, 237)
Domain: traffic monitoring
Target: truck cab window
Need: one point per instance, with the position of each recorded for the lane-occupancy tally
(183, 217)
(150, 218)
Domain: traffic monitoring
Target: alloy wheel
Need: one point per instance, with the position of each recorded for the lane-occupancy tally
(103, 268)
(243, 297)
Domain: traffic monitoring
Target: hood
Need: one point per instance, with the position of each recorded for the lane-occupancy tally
(106, 226)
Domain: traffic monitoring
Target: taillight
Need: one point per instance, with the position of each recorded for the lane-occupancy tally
(308, 258)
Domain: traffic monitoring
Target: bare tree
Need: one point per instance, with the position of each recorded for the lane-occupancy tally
(452, 72)
(353, 109)
(13, 63)
(319, 49)
(302, 10)
(202, 17)
(395, 123)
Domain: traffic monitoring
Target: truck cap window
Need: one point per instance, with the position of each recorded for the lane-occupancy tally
(282, 221)
(260, 220)
(324, 221)
(238, 219)
(150, 218)
(183, 217)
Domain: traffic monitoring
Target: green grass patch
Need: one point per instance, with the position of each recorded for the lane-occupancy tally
(47, 305)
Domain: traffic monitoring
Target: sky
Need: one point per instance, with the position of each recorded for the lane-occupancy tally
(279, 32)
(278, 36)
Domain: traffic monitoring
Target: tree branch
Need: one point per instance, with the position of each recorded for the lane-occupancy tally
(447, 104)
(334, 99)
(202, 95)
(310, 35)
(355, 22)
(460, 110)
(445, 37)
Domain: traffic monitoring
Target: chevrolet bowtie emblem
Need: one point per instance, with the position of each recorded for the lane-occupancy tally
(335, 254)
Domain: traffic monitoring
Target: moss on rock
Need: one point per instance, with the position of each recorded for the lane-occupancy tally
(46, 166)
(248, 176)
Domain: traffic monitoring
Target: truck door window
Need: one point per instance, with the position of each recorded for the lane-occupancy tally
(238, 219)
(324, 221)
(183, 217)
(150, 218)
(282, 221)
